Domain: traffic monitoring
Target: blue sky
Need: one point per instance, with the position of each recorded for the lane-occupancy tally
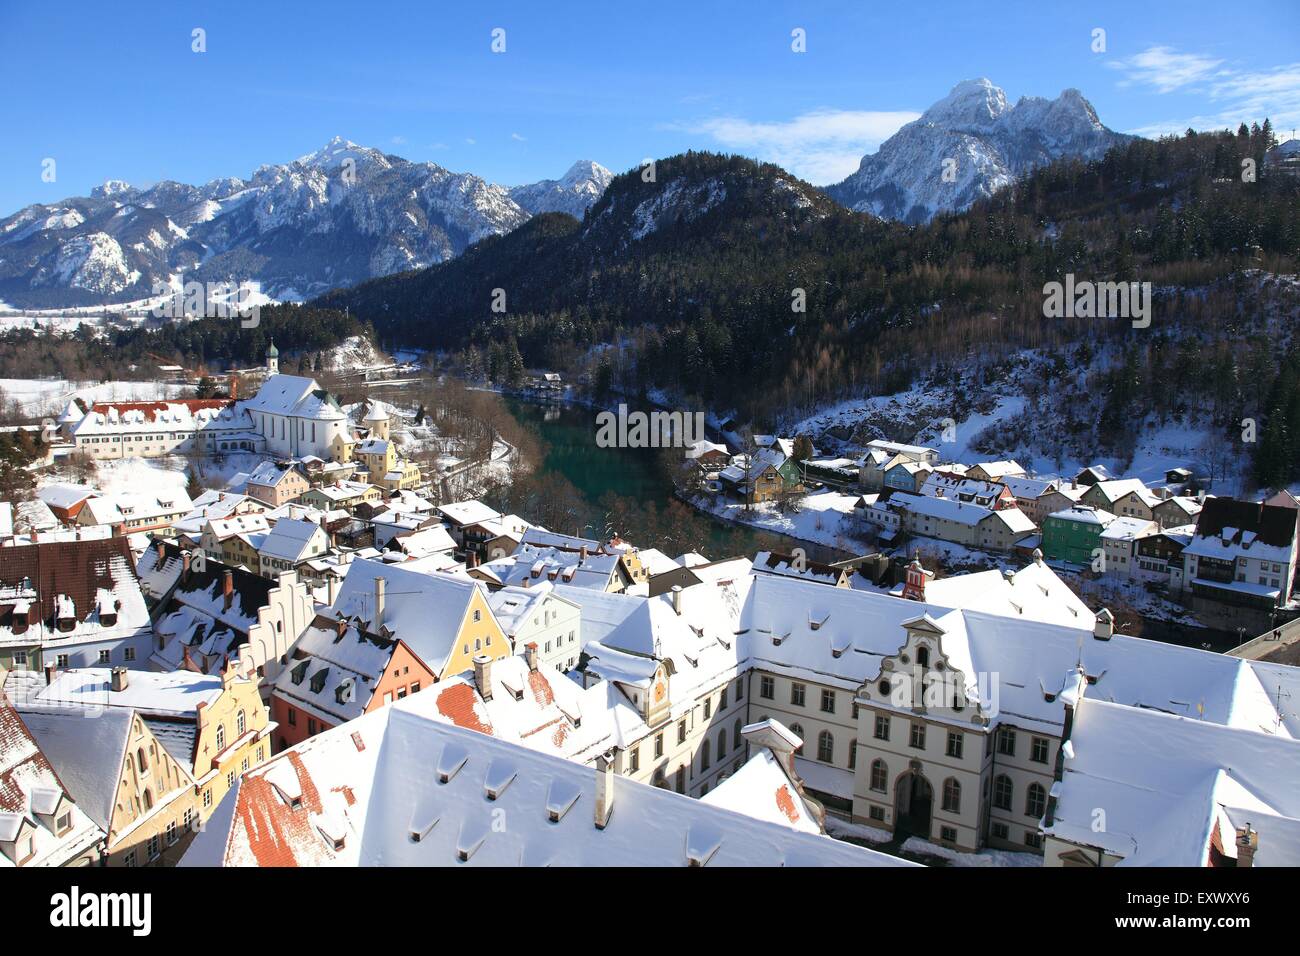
(114, 93)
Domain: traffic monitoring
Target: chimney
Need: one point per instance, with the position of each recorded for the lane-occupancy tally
(49, 674)
(582, 553)
(1104, 628)
(1247, 845)
(530, 655)
(677, 599)
(527, 582)
(471, 559)
(341, 626)
(483, 675)
(378, 617)
(604, 789)
(1200, 497)
(185, 565)
(227, 589)
(119, 679)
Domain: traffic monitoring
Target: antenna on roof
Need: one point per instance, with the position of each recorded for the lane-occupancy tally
(1277, 706)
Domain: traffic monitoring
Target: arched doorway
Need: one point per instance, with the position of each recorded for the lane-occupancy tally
(913, 801)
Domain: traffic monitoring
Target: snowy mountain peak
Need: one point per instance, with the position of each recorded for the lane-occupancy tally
(583, 183)
(971, 102)
(112, 187)
(338, 151)
(585, 169)
(969, 145)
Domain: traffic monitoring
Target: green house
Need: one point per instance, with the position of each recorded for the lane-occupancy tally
(1074, 535)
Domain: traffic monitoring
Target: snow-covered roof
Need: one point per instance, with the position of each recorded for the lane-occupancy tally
(29, 789)
(1034, 593)
(154, 693)
(268, 474)
(467, 512)
(291, 539)
(424, 610)
(424, 542)
(703, 447)
(34, 515)
(64, 496)
(1000, 470)
(761, 789)
(1022, 487)
(959, 512)
(86, 755)
(237, 524)
(1127, 528)
(1167, 782)
(118, 507)
(1084, 514)
(397, 788)
(1113, 490)
(334, 674)
(171, 416)
(898, 448)
(295, 396)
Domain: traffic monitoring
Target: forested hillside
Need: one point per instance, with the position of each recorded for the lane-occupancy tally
(695, 275)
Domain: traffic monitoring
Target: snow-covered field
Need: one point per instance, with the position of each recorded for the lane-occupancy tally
(823, 518)
(49, 396)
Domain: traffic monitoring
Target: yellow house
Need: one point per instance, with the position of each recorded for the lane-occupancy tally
(383, 466)
(444, 619)
(344, 495)
(130, 768)
(232, 733)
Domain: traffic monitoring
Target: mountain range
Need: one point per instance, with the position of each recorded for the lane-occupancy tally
(347, 213)
(334, 217)
(969, 145)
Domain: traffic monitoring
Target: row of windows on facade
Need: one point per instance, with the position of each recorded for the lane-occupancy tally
(189, 820)
(1003, 791)
(706, 759)
(20, 658)
(798, 694)
(1004, 739)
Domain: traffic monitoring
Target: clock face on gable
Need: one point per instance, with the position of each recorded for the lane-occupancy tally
(661, 690)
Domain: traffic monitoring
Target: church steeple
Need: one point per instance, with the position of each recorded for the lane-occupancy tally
(272, 360)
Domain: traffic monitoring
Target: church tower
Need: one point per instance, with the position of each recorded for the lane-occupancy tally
(272, 360)
(377, 420)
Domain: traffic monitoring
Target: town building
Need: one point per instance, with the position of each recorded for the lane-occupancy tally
(400, 788)
(1073, 535)
(276, 483)
(1243, 553)
(538, 617)
(205, 617)
(72, 604)
(41, 823)
(338, 670)
(161, 753)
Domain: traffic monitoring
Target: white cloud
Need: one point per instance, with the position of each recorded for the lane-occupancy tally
(517, 137)
(822, 146)
(1233, 95)
(399, 140)
(470, 140)
(1164, 68)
